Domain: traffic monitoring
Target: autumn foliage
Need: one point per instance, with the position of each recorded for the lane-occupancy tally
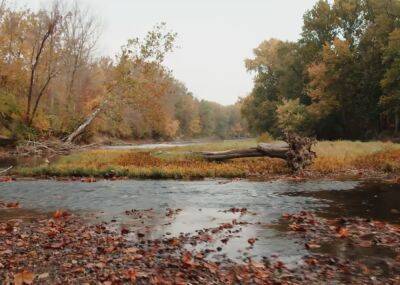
(51, 80)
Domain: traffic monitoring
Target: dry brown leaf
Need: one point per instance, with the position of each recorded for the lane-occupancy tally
(43, 275)
(251, 241)
(24, 277)
(131, 274)
(311, 245)
(343, 232)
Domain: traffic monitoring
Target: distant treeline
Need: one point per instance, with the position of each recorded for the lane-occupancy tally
(51, 81)
(341, 79)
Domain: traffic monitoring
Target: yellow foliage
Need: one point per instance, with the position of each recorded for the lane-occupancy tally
(265, 138)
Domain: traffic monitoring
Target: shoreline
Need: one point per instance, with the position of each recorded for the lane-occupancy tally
(376, 177)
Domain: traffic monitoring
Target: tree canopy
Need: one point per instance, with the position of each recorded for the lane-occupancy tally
(339, 80)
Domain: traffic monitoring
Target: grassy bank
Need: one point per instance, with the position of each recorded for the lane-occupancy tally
(333, 158)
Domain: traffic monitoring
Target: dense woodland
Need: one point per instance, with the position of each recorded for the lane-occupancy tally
(341, 79)
(51, 81)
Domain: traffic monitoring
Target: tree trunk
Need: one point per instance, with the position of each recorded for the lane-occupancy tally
(296, 151)
(396, 121)
(81, 129)
(273, 150)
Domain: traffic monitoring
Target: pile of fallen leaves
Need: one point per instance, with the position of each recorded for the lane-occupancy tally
(349, 233)
(66, 250)
(9, 205)
(360, 232)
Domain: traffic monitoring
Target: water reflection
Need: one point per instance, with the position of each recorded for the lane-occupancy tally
(373, 200)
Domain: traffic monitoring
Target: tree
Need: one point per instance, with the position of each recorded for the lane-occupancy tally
(279, 76)
(137, 78)
(343, 70)
(53, 85)
(43, 58)
(293, 117)
(390, 101)
(80, 38)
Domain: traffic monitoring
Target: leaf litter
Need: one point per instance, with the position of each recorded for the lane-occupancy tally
(64, 249)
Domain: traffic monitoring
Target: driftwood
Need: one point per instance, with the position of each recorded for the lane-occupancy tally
(295, 150)
(48, 148)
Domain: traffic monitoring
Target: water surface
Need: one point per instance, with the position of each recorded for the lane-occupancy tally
(204, 204)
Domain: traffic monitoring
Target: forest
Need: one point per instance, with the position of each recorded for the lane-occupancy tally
(51, 80)
(340, 80)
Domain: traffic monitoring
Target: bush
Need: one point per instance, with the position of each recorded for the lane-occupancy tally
(265, 138)
(293, 117)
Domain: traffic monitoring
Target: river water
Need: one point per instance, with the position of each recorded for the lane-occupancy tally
(204, 203)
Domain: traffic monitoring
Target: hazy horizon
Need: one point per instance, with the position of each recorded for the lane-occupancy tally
(214, 37)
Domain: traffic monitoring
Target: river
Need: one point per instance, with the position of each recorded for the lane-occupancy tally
(204, 204)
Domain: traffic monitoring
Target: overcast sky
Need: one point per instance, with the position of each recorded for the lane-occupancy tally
(215, 36)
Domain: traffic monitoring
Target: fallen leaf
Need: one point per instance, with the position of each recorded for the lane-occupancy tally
(174, 242)
(212, 267)
(14, 205)
(131, 250)
(225, 240)
(131, 274)
(24, 277)
(88, 179)
(251, 241)
(124, 231)
(60, 214)
(343, 232)
(187, 259)
(6, 179)
(57, 245)
(311, 245)
(365, 243)
(297, 228)
(43, 275)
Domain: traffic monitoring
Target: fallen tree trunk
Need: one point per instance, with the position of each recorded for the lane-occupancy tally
(6, 170)
(274, 150)
(296, 151)
(81, 129)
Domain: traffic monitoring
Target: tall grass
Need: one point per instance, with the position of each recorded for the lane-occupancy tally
(340, 156)
(183, 163)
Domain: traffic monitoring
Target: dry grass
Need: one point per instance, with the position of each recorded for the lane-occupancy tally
(342, 156)
(181, 163)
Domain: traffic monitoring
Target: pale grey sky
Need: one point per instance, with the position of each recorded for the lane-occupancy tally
(215, 36)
